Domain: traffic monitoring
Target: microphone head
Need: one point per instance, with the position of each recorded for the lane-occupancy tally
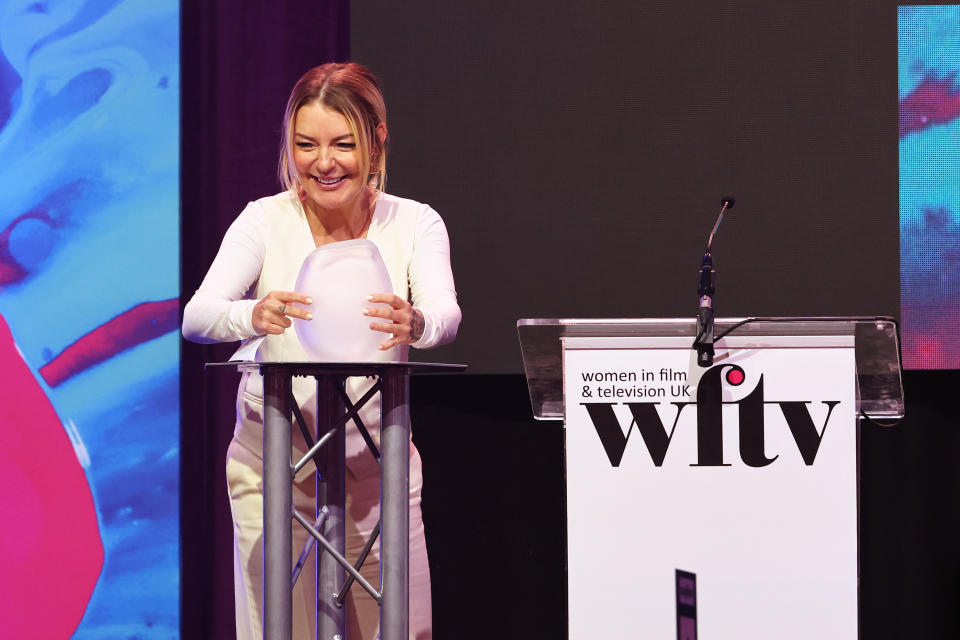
(727, 201)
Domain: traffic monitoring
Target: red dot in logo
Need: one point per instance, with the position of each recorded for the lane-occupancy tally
(735, 377)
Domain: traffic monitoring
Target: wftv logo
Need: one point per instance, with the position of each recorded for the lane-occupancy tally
(710, 423)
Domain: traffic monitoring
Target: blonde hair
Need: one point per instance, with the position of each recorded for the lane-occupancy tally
(354, 92)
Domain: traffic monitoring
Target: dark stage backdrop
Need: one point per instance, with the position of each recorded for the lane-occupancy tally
(578, 153)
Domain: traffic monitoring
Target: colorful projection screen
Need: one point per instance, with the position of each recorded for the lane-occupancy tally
(929, 93)
(89, 228)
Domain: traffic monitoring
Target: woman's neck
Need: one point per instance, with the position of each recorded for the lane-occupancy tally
(335, 225)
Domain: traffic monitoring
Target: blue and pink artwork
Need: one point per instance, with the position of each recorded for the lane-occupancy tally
(929, 95)
(89, 277)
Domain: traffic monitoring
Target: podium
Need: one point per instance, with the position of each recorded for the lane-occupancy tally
(721, 499)
(334, 411)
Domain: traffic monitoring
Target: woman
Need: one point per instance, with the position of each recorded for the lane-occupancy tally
(332, 164)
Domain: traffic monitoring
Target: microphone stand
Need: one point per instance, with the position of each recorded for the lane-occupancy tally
(703, 343)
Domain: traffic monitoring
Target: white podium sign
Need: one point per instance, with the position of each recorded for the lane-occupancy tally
(719, 501)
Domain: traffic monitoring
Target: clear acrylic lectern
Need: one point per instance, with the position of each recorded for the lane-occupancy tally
(731, 489)
(877, 346)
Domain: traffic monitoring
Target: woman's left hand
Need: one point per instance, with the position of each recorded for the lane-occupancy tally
(407, 326)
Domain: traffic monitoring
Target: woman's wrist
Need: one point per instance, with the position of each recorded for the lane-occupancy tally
(417, 324)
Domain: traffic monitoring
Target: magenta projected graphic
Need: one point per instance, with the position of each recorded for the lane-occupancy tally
(89, 264)
(929, 92)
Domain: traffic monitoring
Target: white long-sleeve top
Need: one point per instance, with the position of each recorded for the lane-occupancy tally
(411, 237)
(263, 251)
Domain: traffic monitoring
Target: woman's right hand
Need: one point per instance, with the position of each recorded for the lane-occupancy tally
(272, 314)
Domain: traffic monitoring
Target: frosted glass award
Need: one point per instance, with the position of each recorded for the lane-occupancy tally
(339, 276)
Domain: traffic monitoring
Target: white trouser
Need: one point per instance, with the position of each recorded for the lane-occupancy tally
(245, 482)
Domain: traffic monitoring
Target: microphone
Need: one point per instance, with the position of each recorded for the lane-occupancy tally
(703, 343)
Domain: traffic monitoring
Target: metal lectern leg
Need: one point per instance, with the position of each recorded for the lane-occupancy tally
(331, 492)
(277, 503)
(395, 506)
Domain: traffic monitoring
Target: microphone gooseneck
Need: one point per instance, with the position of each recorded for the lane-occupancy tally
(703, 343)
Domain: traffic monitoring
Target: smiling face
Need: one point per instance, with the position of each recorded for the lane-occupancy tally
(336, 95)
(331, 166)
